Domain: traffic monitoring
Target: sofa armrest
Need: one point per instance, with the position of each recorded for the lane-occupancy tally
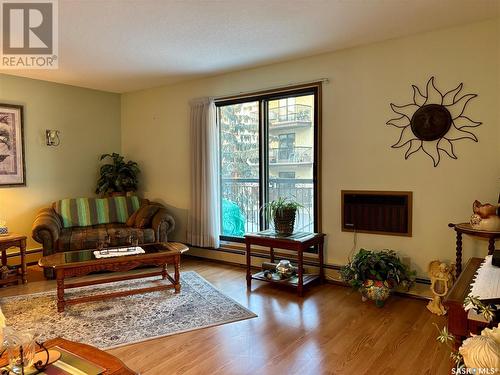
(162, 223)
(46, 229)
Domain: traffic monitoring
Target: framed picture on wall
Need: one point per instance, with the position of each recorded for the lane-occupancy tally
(12, 165)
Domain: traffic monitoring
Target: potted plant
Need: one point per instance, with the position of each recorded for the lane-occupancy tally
(282, 213)
(117, 177)
(376, 273)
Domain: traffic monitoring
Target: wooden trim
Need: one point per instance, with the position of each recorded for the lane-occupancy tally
(14, 254)
(257, 94)
(318, 158)
(78, 284)
(407, 194)
(20, 107)
(235, 250)
(314, 88)
(124, 293)
(112, 364)
(334, 267)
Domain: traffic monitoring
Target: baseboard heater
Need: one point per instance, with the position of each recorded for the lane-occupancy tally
(377, 212)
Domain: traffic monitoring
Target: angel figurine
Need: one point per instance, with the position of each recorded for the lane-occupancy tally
(442, 279)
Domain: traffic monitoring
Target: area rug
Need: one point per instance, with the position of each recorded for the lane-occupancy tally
(118, 321)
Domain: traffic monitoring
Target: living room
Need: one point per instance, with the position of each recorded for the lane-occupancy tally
(321, 100)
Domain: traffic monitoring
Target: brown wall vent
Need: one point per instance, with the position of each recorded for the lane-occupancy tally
(378, 212)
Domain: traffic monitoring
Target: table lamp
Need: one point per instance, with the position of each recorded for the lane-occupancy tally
(3, 227)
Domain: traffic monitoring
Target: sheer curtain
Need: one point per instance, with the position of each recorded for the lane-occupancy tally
(204, 213)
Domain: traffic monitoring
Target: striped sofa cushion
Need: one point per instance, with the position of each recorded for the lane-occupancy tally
(83, 212)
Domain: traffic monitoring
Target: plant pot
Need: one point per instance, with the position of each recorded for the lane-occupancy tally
(284, 221)
(375, 290)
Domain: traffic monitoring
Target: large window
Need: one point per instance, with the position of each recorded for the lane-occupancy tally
(269, 149)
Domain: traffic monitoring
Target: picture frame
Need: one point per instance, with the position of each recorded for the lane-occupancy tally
(12, 157)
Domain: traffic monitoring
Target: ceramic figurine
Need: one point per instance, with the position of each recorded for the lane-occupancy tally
(485, 217)
(493, 333)
(481, 352)
(442, 278)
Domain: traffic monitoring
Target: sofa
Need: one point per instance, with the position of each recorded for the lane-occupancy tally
(81, 223)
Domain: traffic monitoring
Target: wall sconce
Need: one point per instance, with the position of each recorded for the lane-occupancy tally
(52, 137)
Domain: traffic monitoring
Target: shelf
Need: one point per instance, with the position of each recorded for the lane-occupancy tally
(11, 279)
(293, 281)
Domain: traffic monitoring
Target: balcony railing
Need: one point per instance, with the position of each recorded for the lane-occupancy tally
(290, 114)
(297, 154)
(241, 207)
(287, 155)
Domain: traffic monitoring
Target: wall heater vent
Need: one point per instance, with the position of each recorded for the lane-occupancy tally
(377, 212)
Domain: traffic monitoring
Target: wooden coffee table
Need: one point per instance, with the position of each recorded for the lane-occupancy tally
(83, 262)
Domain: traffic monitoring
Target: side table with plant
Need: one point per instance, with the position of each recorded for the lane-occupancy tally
(376, 273)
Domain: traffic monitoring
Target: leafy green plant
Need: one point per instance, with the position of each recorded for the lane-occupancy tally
(488, 311)
(446, 338)
(279, 207)
(382, 265)
(119, 176)
(282, 212)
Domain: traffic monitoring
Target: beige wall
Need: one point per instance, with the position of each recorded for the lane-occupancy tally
(89, 122)
(356, 141)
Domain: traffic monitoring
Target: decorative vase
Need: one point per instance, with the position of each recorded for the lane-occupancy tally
(377, 291)
(485, 217)
(285, 269)
(284, 221)
(21, 349)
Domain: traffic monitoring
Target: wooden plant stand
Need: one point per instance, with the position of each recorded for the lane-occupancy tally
(299, 244)
(81, 263)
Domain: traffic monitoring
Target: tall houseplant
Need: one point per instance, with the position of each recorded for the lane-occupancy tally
(117, 177)
(282, 212)
(376, 273)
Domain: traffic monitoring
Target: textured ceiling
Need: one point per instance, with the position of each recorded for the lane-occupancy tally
(126, 45)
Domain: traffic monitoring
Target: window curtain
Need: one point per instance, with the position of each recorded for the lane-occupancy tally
(204, 213)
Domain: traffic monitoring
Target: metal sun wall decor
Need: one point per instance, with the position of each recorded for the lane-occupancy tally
(433, 122)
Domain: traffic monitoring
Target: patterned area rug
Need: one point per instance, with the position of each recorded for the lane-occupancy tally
(124, 320)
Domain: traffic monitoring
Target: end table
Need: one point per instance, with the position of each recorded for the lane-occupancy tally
(298, 242)
(466, 228)
(14, 240)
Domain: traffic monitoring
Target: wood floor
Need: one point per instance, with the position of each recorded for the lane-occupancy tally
(329, 331)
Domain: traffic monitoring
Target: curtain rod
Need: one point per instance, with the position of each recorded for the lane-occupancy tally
(249, 93)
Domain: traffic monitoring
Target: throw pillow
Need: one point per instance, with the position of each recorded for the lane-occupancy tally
(145, 215)
(131, 220)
